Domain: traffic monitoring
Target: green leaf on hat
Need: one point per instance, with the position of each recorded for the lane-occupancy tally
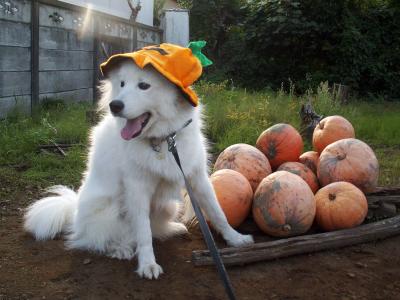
(196, 50)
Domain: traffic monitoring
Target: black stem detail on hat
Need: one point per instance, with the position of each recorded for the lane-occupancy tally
(159, 50)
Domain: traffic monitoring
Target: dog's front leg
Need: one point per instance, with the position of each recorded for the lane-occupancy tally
(138, 198)
(205, 194)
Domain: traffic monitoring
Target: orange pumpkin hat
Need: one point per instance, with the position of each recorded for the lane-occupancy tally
(182, 66)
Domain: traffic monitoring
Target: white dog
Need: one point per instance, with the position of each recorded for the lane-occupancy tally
(130, 192)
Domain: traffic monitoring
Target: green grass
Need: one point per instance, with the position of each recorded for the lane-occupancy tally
(232, 115)
(20, 137)
(235, 116)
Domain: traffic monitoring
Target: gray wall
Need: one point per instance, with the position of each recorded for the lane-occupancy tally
(68, 56)
(15, 58)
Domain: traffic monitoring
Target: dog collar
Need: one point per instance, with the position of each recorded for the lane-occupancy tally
(155, 143)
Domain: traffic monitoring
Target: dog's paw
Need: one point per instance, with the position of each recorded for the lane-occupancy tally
(241, 240)
(150, 271)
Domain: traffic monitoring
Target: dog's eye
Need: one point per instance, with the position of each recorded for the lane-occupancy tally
(143, 85)
(122, 83)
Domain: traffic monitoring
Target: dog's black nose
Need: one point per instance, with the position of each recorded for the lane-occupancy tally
(116, 106)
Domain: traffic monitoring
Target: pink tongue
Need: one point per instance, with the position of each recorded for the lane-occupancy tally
(133, 127)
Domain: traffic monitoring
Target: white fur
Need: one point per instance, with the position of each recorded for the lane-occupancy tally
(130, 193)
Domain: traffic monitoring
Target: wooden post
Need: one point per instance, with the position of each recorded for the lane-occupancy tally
(341, 92)
(34, 55)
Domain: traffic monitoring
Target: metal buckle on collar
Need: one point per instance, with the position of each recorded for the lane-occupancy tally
(171, 142)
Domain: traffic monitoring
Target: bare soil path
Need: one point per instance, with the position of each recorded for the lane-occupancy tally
(45, 270)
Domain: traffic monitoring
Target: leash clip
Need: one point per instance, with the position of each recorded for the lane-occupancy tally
(171, 142)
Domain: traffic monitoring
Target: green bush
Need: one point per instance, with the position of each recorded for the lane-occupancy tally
(352, 42)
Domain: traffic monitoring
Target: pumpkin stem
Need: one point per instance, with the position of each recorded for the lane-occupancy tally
(287, 227)
(332, 197)
(341, 156)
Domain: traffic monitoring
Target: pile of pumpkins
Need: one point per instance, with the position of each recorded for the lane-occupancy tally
(287, 190)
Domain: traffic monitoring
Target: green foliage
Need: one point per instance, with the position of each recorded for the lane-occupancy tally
(157, 11)
(20, 137)
(211, 20)
(186, 4)
(352, 42)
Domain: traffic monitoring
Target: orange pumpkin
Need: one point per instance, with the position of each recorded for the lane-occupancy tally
(234, 194)
(283, 205)
(349, 160)
(331, 129)
(310, 159)
(340, 205)
(247, 160)
(280, 143)
(304, 172)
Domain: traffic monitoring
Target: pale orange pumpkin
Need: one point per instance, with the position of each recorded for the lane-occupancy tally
(247, 160)
(331, 129)
(304, 172)
(349, 160)
(310, 159)
(280, 143)
(283, 205)
(340, 205)
(234, 194)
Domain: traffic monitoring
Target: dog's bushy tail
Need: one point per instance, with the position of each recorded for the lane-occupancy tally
(187, 216)
(52, 215)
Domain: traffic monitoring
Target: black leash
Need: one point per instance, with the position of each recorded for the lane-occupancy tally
(202, 222)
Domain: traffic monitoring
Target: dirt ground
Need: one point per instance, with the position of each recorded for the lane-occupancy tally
(45, 270)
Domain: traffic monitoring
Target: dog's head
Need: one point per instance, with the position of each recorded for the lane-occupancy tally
(145, 102)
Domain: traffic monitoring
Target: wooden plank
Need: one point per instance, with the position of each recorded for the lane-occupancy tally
(59, 81)
(15, 59)
(15, 83)
(61, 39)
(15, 34)
(302, 244)
(50, 60)
(387, 199)
(386, 191)
(82, 95)
(71, 19)
(18, 103)
(23, 13)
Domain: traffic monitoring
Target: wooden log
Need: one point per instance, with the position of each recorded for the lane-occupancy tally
(341, 92)
(52, 146)
(386, 191)
(302, 244)
(387, 198)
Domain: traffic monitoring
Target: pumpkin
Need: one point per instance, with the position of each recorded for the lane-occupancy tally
(349, 160)
(234, 194)
(283, 205)
(247, 160)
(280, 143)
(340, 205)
(331, 129)
(310, 159)
(304, 172)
